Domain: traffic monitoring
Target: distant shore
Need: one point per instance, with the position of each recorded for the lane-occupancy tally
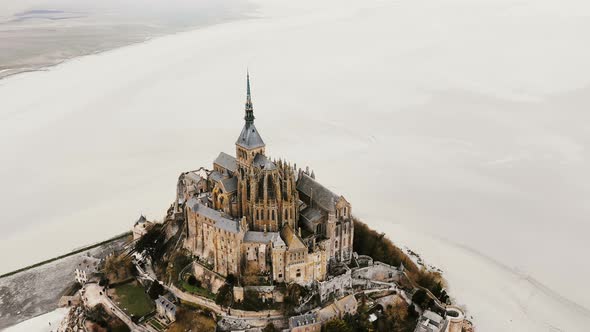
(20, 292)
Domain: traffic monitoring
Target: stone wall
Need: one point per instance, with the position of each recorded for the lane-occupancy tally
(378, 271)
(209, 279)
(336, 286)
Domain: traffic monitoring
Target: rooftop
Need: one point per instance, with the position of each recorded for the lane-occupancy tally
(226, 161)
(249, 137)
(230, 185)
(263, 162)
(218, 217)
(302, 320)
(319, 194)
(261, 237)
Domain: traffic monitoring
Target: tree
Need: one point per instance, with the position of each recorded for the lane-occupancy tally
(156, 289)
(294, 293)
(153, 243)
(421, 298)
(118, 268)
(337, 325)
(193, 281)
(224, 295)
(270, 328)
(230, 279)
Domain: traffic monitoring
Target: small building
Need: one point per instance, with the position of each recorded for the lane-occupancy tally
(305, 323)
(338, 309)
(80, 276)
(140, 227)
(455, 316)
(165, 309)
(431, 322)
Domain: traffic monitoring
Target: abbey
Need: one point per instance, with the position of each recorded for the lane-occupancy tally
(251, 215)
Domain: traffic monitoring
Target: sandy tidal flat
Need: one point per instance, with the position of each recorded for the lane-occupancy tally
(466, 120)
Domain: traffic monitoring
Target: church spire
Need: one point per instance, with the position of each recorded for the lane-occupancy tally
(249, 109)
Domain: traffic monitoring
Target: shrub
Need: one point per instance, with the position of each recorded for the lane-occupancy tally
(224, 295)
(156, 289)
(368, 242)
(270, 328)
(193, 281)
(337, 325)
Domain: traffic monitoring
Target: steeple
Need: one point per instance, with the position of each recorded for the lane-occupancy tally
(249, 109)
(249, 137)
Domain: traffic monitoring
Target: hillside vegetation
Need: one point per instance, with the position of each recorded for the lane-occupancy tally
(372, 243)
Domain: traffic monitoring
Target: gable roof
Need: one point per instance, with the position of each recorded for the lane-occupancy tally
(263, 162)
(219, 220)
(302, 320)
(291, 239)
(215, 176)
(249, 137)
(226, 161)
(311, 215)
(230, 185)
(319, 194)
(261, 237)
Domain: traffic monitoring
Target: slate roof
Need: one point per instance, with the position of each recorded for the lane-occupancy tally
(141, 220)
(249, 137)
(311, 215)
(230, 185)
(193, 176)
(261, 237)
(226, 161)
(302, 320)
(320, 195)
(221, 222)
(215, 176)
(263, 162)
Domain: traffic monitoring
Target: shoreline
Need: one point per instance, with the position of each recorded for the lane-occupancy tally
(74, 252)
(532, 297)
(22, 298)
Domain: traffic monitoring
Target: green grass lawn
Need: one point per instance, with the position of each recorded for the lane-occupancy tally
(197, 290)
(156, 324)
(131, 297)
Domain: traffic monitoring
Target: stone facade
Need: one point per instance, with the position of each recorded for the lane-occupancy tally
(338, 309)
(253, 215)
(336, 285)
(165, 309)
(305, 323)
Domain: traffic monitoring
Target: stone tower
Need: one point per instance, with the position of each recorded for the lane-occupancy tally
(267, 194)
